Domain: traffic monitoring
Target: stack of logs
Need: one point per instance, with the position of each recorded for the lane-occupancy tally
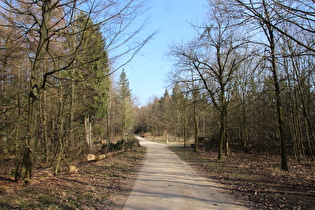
(92, 157)
(120, 146)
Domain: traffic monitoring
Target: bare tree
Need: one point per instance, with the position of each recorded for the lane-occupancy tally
(265, 14)
(296, 13)
(215, 57)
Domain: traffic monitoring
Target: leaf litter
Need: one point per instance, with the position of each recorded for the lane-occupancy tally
(96, 185)
(257, 180)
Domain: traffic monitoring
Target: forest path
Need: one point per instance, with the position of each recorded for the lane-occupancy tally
(167, 182)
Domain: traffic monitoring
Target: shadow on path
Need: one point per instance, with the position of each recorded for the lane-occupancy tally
(167, 182)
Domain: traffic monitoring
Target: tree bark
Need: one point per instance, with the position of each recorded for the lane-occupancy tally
(245, 128)
(221, 134)
(88, 131)
(196, 121)
(185, 129)
(284, 162)
(61, 131)
(223, 119)
(35, 82)
(196, 126)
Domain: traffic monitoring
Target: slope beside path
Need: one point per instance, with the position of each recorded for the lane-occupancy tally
(167, 182)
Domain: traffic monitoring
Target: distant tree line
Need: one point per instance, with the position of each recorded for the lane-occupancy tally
(246, 82)
(57, 93)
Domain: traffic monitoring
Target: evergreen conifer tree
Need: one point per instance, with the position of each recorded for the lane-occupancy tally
(125, 104)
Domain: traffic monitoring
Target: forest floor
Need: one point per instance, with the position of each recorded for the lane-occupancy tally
(256, 179)
(104, 184)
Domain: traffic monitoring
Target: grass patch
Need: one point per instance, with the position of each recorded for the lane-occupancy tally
(257, 179)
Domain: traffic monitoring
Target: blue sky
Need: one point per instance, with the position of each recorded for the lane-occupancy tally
(147, 73)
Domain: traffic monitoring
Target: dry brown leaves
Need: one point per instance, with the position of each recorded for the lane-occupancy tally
(257, 180)
(92, 187)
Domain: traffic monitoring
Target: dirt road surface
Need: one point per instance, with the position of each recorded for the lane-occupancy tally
(167, 182)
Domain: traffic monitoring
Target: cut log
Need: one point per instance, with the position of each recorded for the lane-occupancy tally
(91, 157)
(111, 154)
(73, 169)
(101, 157)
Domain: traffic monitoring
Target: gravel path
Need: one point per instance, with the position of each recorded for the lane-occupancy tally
(167, 182)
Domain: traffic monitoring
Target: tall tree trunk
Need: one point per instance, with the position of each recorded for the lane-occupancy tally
(221, 134)
(109, 131)
(244, 128)
(196, 127)
(45, 126)
(25, 171)
(284, 162)
(33, 102)
(196, 121)
(17, 135)
(72, 143)
(185, 129)
(309, 128)
(295, 123)
(88, 131)
(269, 32)
(223, 118)
(61, 132)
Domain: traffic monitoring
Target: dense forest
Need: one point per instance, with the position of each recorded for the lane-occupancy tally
(245, 83)
(58, 93)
